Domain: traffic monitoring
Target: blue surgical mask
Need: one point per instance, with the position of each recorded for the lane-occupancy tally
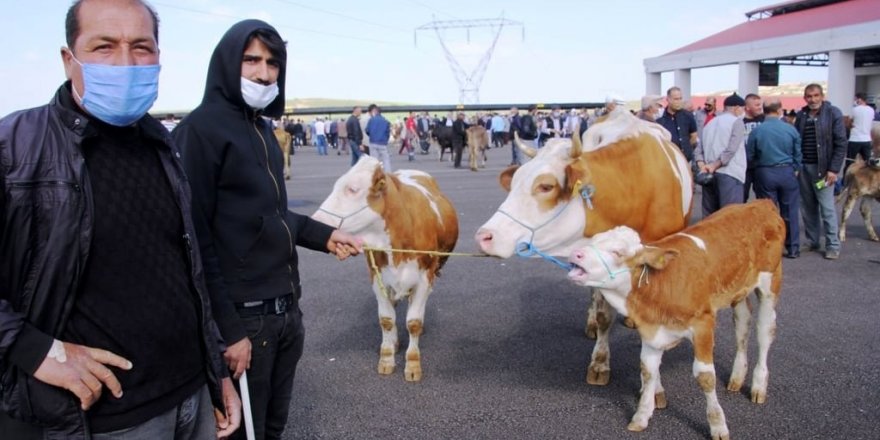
(118, 95)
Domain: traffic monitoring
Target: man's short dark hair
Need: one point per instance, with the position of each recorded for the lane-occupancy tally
(752, 96)
(277, 47)
(373, 107)
(862, 96)
(353, 109)
(672, 89)
(71, 23)
(814, 86)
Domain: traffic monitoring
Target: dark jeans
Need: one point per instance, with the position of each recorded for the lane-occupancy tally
(355, 151)
(854, 149)
(747, 185)
(277, 345)
(457, 150)
(192, 419)
(724, 191)
(780, 184)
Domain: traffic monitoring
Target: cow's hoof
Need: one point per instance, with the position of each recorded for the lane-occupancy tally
(590, 332)
(413, 372)
(386, 367)
(759, 396)
(598, 377)
(734, 386)
(720, 433)
(636, 426)
(660, 400)
(473, 169)
(874, 238)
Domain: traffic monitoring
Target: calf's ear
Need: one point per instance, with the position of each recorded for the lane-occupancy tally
(377, 188)
(506, 177)
(655, 258)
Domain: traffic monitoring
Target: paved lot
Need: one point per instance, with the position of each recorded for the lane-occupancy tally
(504, 353)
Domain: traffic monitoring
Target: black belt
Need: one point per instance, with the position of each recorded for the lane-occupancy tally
(271, 306)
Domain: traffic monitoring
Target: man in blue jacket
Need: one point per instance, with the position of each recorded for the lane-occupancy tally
(247, 235)
(774, 150)
(379, 130)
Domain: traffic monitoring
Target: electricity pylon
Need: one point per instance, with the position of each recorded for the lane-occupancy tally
(468, 84)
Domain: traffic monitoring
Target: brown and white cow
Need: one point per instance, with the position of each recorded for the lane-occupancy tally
(400, 210)
(862, 182)
(478, 143)
(634, 176)
(673, 288)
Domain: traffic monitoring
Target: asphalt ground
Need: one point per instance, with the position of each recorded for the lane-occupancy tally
(504, 353)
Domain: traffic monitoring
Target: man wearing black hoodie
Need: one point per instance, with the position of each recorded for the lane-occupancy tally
(245, 231)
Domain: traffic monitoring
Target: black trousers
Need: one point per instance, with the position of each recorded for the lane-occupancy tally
(277, 345)
(457, 149)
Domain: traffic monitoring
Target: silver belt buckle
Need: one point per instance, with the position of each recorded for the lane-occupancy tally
(280, 305)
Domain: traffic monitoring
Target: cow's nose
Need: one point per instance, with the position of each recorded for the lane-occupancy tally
(577, 255)
(484, 240)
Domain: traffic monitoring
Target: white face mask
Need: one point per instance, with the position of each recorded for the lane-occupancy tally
(257, 95)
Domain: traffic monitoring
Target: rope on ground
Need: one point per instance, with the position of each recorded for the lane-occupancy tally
(370, 250)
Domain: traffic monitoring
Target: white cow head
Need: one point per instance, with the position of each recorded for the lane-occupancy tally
(355, 204)
(602, 260)
(543, 207)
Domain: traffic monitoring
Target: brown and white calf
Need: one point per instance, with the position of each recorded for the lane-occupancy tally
(673, 288)
(478, 143)
(400, 210)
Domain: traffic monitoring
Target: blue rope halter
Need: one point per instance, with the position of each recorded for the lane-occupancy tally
(528, 250)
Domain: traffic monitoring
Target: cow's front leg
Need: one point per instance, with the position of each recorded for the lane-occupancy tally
(415, 320)
(865, 209)
(389, 331)
(848, 206)
(704, 372)
(650, 366)
(599, 371)
(592, 325)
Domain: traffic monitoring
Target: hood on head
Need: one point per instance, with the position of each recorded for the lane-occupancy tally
(224, 71)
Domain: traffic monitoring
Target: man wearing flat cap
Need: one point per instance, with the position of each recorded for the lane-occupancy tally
(722, 153)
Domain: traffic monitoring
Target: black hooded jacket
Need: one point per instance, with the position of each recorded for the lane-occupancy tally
(245, 231)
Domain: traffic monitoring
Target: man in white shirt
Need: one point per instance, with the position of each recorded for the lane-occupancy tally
(860, 135)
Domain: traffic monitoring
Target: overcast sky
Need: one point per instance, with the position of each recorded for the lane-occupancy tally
(573, 51)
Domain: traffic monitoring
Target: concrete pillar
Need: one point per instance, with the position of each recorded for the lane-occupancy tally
(748, 77)
(682, 79)
(652, 83)
(841, 79)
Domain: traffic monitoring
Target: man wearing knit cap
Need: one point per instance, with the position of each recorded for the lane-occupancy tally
(722, 153)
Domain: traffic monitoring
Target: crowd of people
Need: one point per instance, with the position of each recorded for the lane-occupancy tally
(797, 159)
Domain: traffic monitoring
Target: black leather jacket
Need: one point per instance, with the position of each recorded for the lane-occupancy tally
(46, 221)
(831, 141)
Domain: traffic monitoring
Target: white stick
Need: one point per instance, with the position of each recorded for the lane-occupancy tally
(246, 406)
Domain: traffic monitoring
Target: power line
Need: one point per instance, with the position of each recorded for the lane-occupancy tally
(337, 14)
(284, 26)
(416, 2)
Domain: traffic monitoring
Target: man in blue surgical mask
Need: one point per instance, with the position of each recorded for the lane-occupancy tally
(106, 329)
(247, 235)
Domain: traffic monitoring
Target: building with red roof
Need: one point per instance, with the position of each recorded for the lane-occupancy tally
(843, 35)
